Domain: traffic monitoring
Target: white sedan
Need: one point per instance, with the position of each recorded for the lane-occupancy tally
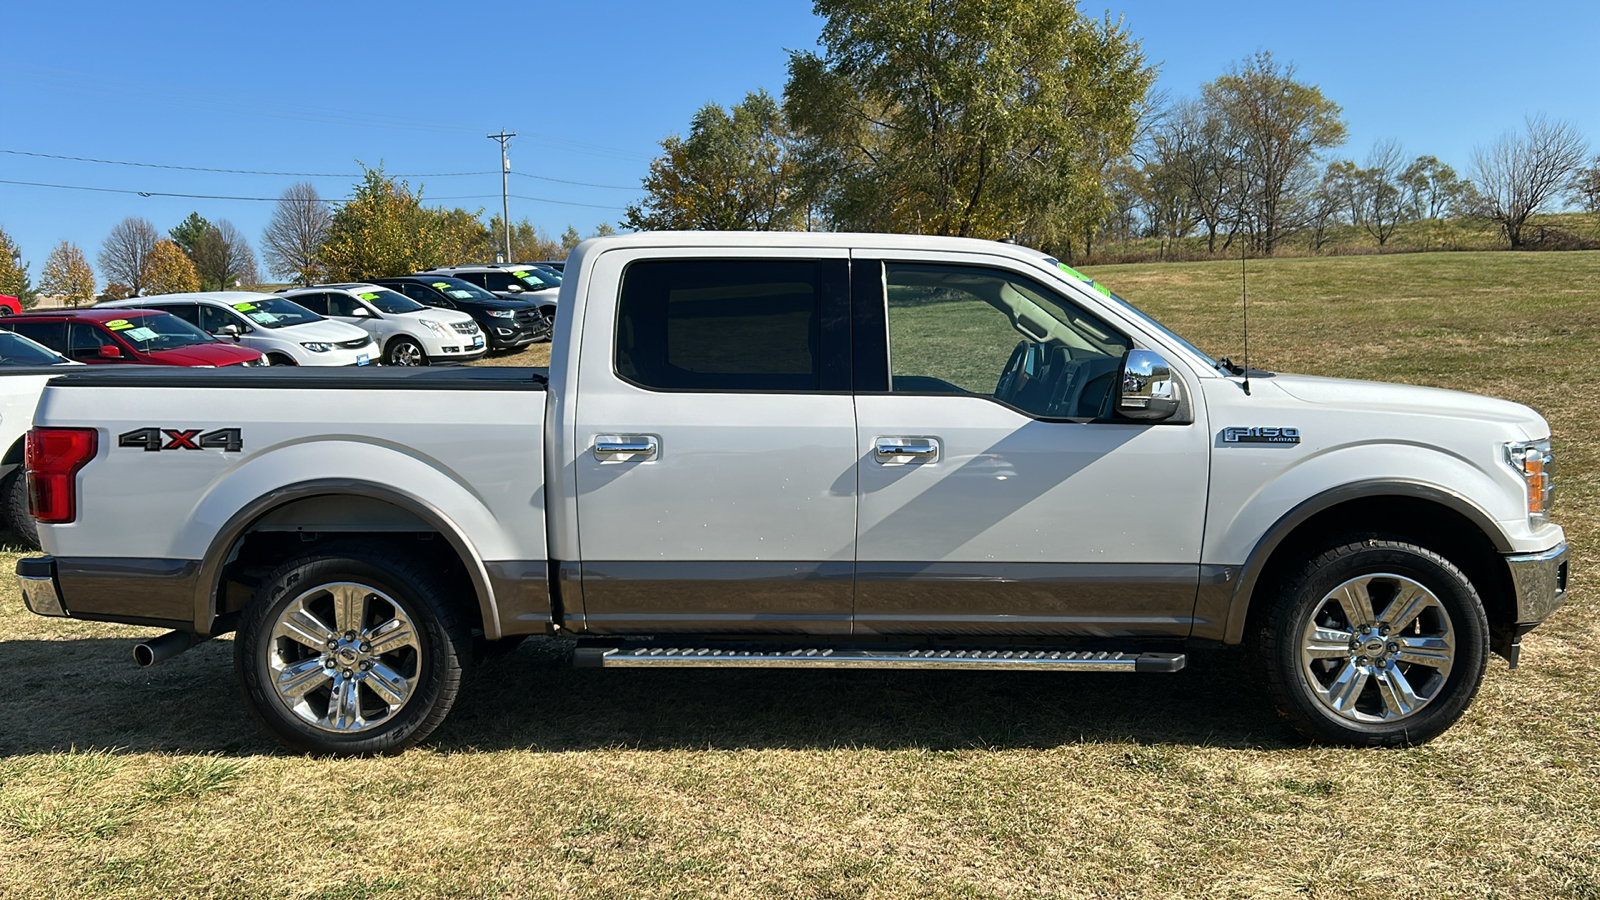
(409, 333)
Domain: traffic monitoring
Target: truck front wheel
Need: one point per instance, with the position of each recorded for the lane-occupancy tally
(351, 650)
(1374, 643)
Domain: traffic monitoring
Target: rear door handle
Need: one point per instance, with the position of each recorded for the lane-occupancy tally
(625, 446)
(899, 451)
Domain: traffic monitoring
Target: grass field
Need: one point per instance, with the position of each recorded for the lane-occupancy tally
(552, 782)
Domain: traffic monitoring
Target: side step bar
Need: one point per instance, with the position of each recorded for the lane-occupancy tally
(842, 658)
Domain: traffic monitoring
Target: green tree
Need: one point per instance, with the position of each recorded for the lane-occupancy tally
(14, 281)
(984, 118)
(1433, 191)
(188, 233)
(67, 275)
(569, 239)
(460, 236)
(384, 230)
(171, 271)
(604, 229)
(528, 243)
(1277, 126)
(735, 172)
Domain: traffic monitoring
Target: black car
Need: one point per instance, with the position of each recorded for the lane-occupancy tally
(508, 323)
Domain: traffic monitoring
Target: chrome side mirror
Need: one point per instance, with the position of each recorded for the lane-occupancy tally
(1148, 391)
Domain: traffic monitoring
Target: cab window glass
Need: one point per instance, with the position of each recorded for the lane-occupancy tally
(984, 332)
(51, 334)
(317, 303)
(721, 325)
(86, 339)
(212, 319)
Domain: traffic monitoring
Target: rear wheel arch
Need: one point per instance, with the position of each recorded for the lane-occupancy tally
(226, 546)
(1429, 516)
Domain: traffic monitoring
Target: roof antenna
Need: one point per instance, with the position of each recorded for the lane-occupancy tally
(1244, 300)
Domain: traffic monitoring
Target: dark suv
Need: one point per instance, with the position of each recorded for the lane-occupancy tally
(508, 323)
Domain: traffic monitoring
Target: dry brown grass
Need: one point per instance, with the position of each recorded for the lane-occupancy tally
(549, 781)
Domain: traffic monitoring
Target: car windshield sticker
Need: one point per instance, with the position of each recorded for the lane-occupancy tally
(368, 296)
(1084, 278)
(440, 285)
(119, 324)
(141, 334)
(265, 318)
(244, 307)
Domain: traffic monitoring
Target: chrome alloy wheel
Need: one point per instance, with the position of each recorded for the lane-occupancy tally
(344, 657)
(1377, 649)
(406, 353)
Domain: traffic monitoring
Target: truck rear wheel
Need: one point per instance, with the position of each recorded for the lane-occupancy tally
(14, 494)
(351, 650)
(1375, 643)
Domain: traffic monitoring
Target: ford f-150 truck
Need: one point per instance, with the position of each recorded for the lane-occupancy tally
(804, 450)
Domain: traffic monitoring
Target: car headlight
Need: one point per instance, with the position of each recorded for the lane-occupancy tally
(317, 346)
(503, 313)
(1536, 461)
(435, 327)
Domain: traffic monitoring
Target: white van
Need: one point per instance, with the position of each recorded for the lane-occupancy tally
(286, 333)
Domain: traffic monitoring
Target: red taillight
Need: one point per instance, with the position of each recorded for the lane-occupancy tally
(54, 457)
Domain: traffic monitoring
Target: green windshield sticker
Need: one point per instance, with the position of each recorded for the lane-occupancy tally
(368, 296)
(119, 324)
(440, 285)
(1084, 278)
(244, 307)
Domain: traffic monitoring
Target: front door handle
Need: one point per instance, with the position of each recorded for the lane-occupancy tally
(898, 451)
(625, 446)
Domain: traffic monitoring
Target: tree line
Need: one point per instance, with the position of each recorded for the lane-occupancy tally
(383, 229)
(1025, 119)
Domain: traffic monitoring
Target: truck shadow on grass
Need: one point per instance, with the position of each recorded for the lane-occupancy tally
(88, 694)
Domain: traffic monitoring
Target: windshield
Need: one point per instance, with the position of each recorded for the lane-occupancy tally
(276, 312)
(16, 350)
(456, 289)
(537, 279)
(1132, 310)
(154, 332)
(390, 302)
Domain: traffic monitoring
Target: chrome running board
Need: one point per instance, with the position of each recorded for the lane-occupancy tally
(849, 658)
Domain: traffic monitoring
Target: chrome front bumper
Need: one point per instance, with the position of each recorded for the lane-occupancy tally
(36, 576)
(1540, 583)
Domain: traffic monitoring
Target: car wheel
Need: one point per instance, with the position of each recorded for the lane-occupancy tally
(4, 311)
(406, 352)
(546, 325)
(351, 650)
(279, 359)
(15, 495)
(1375, 643)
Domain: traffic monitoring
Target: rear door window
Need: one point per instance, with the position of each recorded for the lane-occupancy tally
(730, 325)
(52, 334)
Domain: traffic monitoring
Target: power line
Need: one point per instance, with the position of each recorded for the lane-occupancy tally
(144, 165)
(104, 190)
(613, 187)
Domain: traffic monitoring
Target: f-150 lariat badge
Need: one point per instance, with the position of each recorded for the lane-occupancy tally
(1256, 435)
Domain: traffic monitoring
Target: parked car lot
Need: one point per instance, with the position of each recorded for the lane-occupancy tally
(9, 306)
(408, 333)
(507, 324)
(124, 335)
(286, 333)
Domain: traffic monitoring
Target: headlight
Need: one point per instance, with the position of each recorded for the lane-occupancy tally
(435, 327)
(503, 313)
(1537, 463)
(318, 346)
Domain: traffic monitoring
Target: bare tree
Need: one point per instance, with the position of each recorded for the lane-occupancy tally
(222, 257)
(1586, 186)
(1381, 194)
(125, 256)
(1190, 147)
(292, 243)
(1518, 174)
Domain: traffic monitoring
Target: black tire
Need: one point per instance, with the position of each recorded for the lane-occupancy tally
(547, 323)
(15, 497)
(1409, 697)
(389, 581)
(280, 359)
(404, 351)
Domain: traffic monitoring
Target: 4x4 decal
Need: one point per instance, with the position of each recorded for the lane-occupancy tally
(229, 440)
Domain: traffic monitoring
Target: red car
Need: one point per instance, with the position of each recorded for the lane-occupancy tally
(9, 305)
(123, 335)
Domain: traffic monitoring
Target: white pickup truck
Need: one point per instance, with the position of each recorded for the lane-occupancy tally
(804, 450)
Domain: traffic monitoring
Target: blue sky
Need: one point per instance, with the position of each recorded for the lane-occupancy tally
(591, 88)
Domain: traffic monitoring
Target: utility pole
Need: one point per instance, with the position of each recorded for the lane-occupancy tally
(505, 196)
